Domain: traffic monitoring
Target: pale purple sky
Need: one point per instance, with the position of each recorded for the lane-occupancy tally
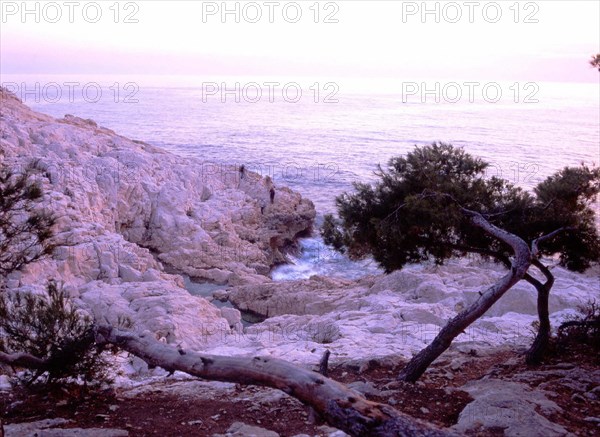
(372, 39)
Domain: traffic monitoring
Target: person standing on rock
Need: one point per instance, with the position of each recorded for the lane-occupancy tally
(263, 205)
(272, 194)
(242, 174)
(271, 188)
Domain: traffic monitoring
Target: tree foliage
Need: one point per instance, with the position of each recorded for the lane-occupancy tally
(413, 213)
(583, 330)
(565, 199)
(46, 327)
(25, 229)
(50, 328)
(595, 61)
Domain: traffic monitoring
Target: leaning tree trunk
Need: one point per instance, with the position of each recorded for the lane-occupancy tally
(539, 346)
(537, 350)
(522, 260)
(338, 405)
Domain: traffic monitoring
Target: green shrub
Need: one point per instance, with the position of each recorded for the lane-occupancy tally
(331, 234)
(49, 327)
(582, 330)
(25, 228)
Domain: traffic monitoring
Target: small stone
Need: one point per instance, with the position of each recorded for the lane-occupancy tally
(392, 401)
(240, 429)
(424, 410)
(593, 394)
(331, 432)
(562, 366)
(366, 388)
(215, 417)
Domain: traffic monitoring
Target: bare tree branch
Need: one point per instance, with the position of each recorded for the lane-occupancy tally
(23, 360)
(535, 243)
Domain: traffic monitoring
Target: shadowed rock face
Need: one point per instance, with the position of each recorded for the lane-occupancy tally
(125, 208)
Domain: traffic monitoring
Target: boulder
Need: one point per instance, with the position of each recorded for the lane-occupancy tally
(510, 406)
(233, 316)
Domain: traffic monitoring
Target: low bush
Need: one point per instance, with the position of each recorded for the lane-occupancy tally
(49, 327)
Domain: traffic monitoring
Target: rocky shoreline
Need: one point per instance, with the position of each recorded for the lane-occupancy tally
(127, 209)
(129, 212)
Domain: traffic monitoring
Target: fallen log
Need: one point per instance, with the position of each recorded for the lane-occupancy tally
(338, 405)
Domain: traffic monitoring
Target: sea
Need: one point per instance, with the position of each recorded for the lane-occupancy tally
(319, 136)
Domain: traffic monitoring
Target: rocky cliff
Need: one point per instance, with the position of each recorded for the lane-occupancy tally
(126, 210)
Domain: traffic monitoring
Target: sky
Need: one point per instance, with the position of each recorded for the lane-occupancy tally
(504, 40)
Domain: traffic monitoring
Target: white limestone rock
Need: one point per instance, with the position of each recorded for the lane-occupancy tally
(233, 316)
(396, 314)
(163, 308)
(50, 428)
(509, 406)
(241, 429)
(117, 199)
